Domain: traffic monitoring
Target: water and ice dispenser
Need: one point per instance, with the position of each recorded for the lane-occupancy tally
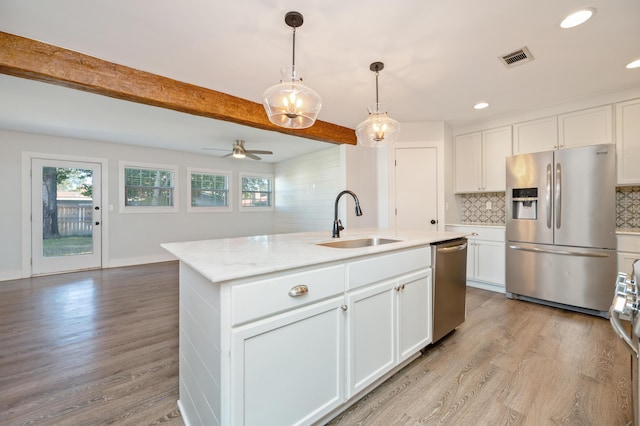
(525, 203)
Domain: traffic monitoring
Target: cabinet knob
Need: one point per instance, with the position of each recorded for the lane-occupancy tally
(298, 290)
(344, 307)
(433, 221)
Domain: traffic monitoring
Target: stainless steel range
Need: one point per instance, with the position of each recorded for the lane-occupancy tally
(626, 307)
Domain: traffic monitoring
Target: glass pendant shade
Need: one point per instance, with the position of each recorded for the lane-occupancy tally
(378, 128)
(291, 103)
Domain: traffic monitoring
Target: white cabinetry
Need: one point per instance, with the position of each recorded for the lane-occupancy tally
(389, 320)
(628, 247)
(628, 142)
(485, 256)
(480, 160)
(591, 126)
(292, 347)
(289, 369)
(535, 135)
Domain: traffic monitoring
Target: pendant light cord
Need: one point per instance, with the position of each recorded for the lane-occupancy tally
(293, 64)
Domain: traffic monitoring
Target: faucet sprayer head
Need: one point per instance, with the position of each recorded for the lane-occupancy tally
(358, 209)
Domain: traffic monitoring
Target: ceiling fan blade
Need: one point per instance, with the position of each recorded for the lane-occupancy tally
(253, 151)
(214, 149)
(253, 157)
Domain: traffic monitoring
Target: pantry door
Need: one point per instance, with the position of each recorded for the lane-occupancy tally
(416, 189)
(65, 216)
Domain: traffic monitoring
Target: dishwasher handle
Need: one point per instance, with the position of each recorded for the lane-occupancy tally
(459, 247)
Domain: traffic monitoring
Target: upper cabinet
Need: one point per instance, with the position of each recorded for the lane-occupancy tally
(480, 160)
(628, 142)
(586, 127)
(590, 126)
(535, 136)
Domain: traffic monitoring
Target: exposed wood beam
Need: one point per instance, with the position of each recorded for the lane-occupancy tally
(26, 58)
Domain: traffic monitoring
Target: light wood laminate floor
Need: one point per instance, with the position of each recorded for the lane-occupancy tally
(101, 347)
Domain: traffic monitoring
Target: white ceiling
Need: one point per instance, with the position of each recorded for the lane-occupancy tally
(441, 57)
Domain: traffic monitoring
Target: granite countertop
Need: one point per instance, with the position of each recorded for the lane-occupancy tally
(231, 258)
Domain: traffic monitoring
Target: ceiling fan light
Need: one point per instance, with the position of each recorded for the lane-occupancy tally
(378, 128)
(481, 105)
(577, 18)
(634, 64)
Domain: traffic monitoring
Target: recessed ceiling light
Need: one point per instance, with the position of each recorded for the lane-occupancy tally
(481, 105)
(634, 64)
(577, 18)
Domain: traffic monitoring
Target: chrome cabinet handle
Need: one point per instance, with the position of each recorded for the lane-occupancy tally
(298, 290)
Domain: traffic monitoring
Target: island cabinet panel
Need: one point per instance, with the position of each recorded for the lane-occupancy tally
(288, 370)
(388, 322)
(252, 353)
(261, 298)
(381, 267)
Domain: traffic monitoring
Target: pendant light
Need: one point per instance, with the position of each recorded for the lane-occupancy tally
(379, 127)
(291, 104)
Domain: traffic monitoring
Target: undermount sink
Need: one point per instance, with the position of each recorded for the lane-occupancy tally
(359, 242)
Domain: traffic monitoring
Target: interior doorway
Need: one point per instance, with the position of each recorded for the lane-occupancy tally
(416, 190)
(66, 216)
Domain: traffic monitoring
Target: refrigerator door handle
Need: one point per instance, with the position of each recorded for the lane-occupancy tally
(563, 252)
(614, 318)
(558, 196)
(548, 196)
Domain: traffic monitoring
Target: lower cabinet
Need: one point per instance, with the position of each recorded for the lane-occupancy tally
(292, 348)
(387, 323)
(628, 250)
(289, 369)
(485, 255)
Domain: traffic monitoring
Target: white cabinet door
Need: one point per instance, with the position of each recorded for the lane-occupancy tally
(496, 147)
(289, 369)
(414, 327)
(490, 264)
(535, 136)
(468, 153)
(628, 141)
(370, 335)
(586, 127)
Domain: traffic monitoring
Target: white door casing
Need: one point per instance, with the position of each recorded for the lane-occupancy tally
(45, 262)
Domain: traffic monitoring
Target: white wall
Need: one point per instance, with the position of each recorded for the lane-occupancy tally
(130, 237)
(306, 189)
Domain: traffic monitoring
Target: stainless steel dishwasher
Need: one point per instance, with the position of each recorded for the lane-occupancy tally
(449, 262)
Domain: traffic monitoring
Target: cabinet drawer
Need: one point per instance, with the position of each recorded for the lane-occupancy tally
(267, 297)
(386, 266)
(483, 233)
(628, 243)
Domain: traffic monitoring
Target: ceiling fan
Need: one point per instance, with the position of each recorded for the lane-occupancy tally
(239, 151)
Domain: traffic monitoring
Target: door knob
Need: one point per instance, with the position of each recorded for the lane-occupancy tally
(97, 223)
(96, 208)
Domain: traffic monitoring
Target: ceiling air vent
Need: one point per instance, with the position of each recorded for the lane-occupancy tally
(517, 58)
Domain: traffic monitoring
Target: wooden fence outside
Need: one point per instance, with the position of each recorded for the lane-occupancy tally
(74, 218)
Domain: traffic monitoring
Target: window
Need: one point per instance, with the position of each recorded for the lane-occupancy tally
(208, 190)
(257, 192)
(148, 187)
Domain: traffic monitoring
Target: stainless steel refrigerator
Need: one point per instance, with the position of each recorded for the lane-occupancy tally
(560, 227)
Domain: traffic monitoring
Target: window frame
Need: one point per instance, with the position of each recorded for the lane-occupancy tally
(243, 208)
(210, 209)
(123, 208)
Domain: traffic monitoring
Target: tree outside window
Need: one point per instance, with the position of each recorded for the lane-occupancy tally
(148, 187)
(209, 189)
(257, 191)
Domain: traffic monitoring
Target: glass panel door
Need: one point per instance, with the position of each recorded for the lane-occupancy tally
(66, 216)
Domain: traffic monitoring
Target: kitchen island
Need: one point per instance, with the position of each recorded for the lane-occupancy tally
(280, 329)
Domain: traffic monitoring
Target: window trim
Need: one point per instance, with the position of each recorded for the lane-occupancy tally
(242, 208)
(209, 209)
(122, 165)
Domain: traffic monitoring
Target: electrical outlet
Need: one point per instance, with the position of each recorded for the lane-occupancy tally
(489, 205)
